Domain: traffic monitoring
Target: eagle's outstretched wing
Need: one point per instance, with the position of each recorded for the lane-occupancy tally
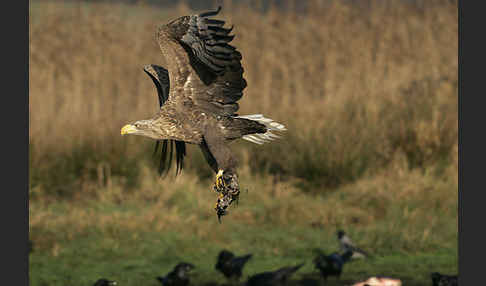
(214, 78)
(206, 81)
(160, 77)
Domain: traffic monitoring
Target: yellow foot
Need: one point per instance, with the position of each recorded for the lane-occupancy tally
(219, 180)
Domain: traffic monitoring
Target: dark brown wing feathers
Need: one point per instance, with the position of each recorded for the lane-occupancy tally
(215, 61)
(209, 42)
(204, 69)
(160, 77)
(180, 153)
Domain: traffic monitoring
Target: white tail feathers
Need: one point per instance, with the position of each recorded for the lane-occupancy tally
(260, 138)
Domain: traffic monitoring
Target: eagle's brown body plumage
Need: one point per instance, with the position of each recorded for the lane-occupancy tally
(198, 96)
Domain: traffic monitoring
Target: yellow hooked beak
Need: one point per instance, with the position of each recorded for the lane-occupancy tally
(128, 129)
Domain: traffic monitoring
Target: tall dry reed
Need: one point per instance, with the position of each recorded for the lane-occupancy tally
(354, 86)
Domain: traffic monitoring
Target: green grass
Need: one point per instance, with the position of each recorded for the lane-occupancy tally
(136, 258)
(407, 219)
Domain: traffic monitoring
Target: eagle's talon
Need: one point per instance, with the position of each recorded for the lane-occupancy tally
(219, 180)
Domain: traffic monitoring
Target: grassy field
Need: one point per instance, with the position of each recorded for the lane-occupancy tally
(369, 97)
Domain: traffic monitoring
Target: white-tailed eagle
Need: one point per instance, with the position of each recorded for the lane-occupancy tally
(198, 94)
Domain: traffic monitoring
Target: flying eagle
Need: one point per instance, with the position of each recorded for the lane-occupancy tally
(198, 94)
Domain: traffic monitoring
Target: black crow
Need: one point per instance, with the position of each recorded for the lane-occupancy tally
(345, 244)
(230, 265)
(332, 265)
(178, 276)
(104, 282)
(443, 280)
(273, 278)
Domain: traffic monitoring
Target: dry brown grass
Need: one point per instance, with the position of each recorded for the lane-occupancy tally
(355, 86)
(418, 210)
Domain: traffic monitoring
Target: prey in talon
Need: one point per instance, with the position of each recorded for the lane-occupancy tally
(227, 186)
(199, 101)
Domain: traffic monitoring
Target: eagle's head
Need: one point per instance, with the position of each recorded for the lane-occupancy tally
(141, 127)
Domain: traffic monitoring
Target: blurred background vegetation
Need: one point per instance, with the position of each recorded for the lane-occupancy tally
(367, 89)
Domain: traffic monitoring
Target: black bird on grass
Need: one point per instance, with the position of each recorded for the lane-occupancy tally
(331, 265)
(443, 280)
(104, 282)
(178, 276)
(230, 265)
(273, 278)
(345, 244)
